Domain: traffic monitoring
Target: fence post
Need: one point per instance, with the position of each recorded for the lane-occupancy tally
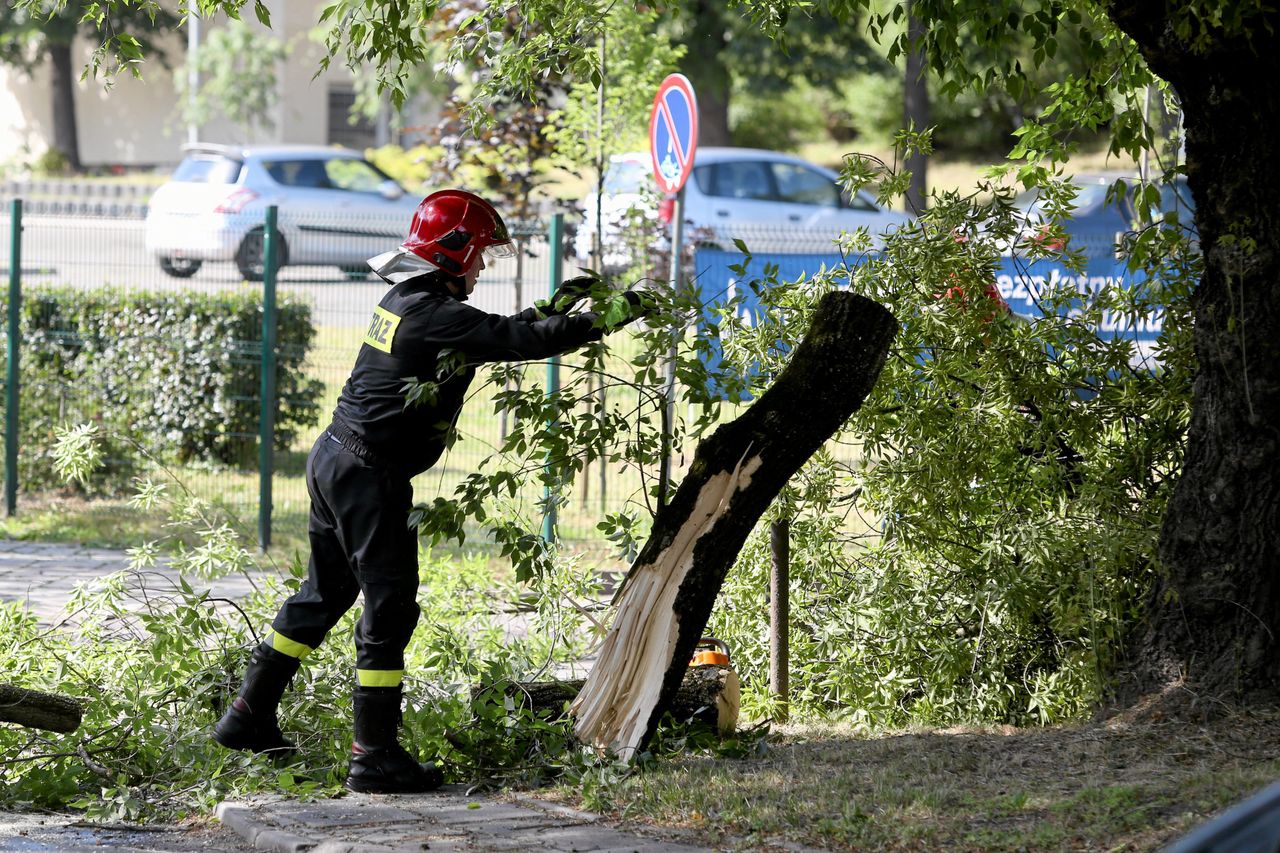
(555, 245)
(780, 617)
(12, 350)
(267, 413)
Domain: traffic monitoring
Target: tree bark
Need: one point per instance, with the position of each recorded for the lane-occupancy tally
(37, 710)
(708, 694)
(915, 111)
(1213, 620)
(62, 91)
(704, 64)
(667, 597)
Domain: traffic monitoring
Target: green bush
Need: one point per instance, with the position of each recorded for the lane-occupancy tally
(177, 373)
(986, 555)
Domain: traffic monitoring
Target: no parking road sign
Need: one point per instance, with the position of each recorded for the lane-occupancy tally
(673, 132)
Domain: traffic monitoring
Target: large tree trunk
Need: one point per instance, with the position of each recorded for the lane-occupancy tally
(1214, 618)
(62, 91)
(915, 111)
(708, 694)
(704, 65)
(667, 597)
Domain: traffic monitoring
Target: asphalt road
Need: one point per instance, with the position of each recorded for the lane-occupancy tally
(86, 252)
(64, 834)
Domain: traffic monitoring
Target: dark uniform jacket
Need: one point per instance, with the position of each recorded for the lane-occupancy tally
(421, 331)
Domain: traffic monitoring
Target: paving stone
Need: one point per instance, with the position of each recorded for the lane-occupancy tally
(496, 815)
(443, 845)
(332, 846)
(356, 815)
(650, 847)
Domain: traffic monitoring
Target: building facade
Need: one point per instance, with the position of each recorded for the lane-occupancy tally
(136, 124)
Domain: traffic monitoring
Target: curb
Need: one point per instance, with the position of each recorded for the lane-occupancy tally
(556, 809)
(240, 819)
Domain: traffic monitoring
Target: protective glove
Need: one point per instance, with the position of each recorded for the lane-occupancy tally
(632, 306)
(567, 295)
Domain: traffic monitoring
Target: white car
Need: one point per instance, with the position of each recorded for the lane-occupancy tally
(773, 202)
(335, 208)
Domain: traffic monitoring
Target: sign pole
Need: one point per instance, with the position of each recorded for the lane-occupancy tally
(673, 140)
(669, 417)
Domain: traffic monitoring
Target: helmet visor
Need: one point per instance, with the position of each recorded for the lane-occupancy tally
(500, 250)
(499, 241)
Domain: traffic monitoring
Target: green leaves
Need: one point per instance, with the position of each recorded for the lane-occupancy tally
(982, 551)
(77, 453)
(176, 375)
(238, 67)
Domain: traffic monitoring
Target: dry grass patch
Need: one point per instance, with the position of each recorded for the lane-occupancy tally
(1111, 786)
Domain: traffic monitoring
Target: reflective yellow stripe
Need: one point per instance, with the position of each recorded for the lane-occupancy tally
(285, 646)
(382, 329)
(379, 677)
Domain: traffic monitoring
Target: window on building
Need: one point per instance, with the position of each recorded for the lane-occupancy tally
(362, 133)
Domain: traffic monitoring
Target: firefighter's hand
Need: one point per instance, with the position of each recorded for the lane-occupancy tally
(568, 295)
(632, 305)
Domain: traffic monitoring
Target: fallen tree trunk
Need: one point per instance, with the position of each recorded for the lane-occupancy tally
(37, 710)
(666, 598)
(707, 694)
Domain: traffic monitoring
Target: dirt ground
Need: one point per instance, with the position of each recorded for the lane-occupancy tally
(1122, 785)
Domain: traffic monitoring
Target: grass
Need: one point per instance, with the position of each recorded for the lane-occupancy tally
(1126, 785)
(110, 522)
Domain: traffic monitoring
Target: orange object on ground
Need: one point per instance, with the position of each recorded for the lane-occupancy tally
(710, 652)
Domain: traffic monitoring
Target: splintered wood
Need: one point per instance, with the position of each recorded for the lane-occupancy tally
(735, 474)
(613, 710)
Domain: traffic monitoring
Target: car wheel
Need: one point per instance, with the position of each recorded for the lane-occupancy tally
(249, 257)
(180, 267)
(359, 273)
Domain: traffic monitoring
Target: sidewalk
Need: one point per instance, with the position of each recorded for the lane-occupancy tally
(43, 575)
(446, 821)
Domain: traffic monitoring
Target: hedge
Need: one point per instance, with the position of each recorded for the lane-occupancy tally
(178, 372)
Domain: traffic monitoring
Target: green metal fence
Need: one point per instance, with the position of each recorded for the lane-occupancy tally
(245, 448)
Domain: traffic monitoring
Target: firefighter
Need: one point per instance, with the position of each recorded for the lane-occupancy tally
(359, 469)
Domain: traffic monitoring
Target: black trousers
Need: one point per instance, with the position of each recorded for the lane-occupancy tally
(360, 543)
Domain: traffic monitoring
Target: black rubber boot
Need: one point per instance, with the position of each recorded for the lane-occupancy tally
(250, 723)
(379, 764)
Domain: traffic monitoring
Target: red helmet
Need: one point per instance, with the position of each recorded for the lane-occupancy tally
(451, 227)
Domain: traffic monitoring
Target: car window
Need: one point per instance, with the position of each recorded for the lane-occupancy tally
(746, 179)
(208, 169)
(354, 175)
(704, 176)
(799, 185)
(299, 173)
